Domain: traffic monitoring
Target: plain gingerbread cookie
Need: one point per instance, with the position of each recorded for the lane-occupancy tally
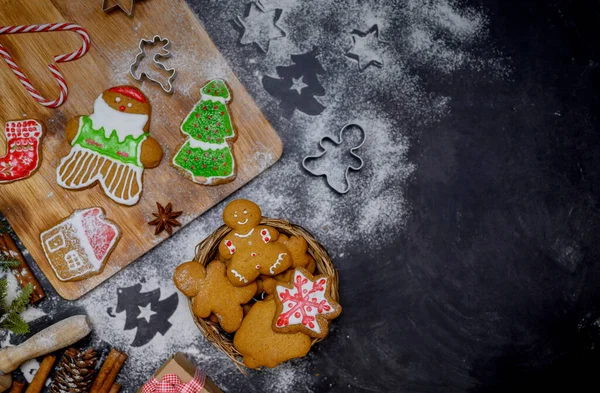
(260, 345)
(251, 248)
(212, 292)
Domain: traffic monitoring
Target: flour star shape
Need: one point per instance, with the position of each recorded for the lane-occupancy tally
(146, 312)
(367, 48)
(260, 26)
(124, 5)
(298, 84)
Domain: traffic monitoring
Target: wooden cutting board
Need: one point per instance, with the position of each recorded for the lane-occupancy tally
(38, 203)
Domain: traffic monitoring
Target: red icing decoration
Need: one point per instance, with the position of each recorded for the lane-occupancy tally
(22, 152)
(129, 91)
(300, 302)
(99, 234)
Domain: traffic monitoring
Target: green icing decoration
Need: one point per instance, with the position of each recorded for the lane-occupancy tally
(216, 88)
(205, 163)
(95, 140)
(209, 122)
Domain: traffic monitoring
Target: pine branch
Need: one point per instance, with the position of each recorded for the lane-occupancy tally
(3, 228)
(3, 294)
(22, 300)
(15, 323)
(7, 263)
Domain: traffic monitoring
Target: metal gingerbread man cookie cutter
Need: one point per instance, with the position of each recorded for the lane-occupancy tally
(168, 85)
(338, 143)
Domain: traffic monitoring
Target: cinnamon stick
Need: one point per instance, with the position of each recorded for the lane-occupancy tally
(22, 272)
(107, 366)
(112, 376)
(115, 388)
(17, 387)
(41, 375)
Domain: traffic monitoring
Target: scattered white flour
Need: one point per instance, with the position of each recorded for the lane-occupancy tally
(29, 368)
(427, 39)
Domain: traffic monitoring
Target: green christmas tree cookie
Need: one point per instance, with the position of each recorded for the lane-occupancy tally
(206, 156)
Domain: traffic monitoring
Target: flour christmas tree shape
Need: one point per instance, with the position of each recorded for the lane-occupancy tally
(298, 85)
(338, 158)
(206, 157)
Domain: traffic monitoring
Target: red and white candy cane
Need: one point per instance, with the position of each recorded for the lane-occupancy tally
(58, 58)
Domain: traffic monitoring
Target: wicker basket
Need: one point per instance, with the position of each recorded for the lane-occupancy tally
(206, 251)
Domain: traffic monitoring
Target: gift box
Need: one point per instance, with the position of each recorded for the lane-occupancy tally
(179, 375)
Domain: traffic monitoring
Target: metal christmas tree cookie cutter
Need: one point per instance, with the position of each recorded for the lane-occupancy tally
(168, 86)
(352, 153)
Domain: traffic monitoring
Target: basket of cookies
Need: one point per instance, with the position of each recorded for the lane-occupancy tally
(262, 290)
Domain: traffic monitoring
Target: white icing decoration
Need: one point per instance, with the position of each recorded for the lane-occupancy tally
(90, 163)
(243, 222)
(277, 262)
(230, 247)
(194, 143)
(111, 120)
(246, 235)
(239, 276)
(117, 99)
(206, 97)
(266, 235)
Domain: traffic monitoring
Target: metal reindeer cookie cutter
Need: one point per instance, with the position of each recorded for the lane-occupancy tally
(338, 143)
(153, 63)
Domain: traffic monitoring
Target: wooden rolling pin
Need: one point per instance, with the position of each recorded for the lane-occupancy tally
(55, 337)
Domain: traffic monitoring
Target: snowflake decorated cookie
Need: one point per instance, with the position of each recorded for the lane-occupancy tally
(251, 249)
(305, 305)
(23, 151)
(112, 146)
(79, 246)
(206, 156)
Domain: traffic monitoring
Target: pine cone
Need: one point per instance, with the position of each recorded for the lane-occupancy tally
(75, 372)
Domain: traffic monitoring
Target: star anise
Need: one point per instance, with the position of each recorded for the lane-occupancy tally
(165, 219)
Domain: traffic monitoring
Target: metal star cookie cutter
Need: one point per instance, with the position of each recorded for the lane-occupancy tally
(352, 153)
(168, 86)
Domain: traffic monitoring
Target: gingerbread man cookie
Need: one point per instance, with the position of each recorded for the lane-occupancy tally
(305, 305)
(111, 146)
(260, 345)
(251, 248)
(212, 292)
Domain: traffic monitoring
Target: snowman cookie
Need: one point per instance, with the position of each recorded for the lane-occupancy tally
(111, 146)
(251, 248)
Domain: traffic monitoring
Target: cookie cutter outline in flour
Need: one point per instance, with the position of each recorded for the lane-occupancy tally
(352, 152)
(157, 63)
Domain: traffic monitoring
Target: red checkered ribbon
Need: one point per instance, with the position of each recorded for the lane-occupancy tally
(52, 67)
(170, 383)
